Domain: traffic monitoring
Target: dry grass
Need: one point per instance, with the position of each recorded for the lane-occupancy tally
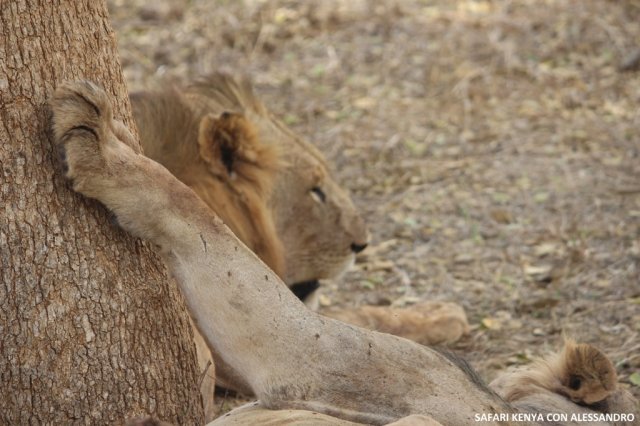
(493, 147)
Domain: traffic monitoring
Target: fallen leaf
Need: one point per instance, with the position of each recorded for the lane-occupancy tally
(536, 271)
(365, 103)
(368, 285)
(416, 148)
(540, 303)
(541, 197)
(324, 300)
(464, 259)
(491, 323)
(381, 265)
(501, 216)
(500, 197)
(545, 249)
(612, 161)
(603, 283)
(520, 358)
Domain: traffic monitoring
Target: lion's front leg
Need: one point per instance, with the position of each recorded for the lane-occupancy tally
(210, 264)
(99, 160)
(83, 131)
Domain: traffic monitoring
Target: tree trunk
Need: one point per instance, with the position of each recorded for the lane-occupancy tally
(91, 329)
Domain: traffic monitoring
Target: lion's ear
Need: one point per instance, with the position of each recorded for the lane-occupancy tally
(226, 141)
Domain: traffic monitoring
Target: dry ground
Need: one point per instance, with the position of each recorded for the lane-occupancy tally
(493, 147)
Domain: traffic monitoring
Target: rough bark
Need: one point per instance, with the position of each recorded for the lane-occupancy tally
(91, 329)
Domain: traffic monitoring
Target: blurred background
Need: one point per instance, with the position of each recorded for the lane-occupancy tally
(492, 146)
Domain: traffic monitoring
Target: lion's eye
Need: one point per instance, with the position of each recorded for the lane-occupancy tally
(575, 382)
(318, 194)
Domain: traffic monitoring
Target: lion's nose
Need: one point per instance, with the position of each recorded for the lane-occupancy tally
(357, 248)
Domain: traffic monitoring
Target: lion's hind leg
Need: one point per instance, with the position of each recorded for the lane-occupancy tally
(427, 322)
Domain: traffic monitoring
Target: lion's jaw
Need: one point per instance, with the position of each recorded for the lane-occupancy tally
(320, 233)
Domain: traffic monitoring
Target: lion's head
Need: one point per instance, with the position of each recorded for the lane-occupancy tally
(315, 218)
(580, 373)
(272, 188)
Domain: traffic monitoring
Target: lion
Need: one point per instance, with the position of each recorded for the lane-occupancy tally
(580, 372)
(579, 380)
(221, 159)
(292, 358)
(272, 189)
(275, 192)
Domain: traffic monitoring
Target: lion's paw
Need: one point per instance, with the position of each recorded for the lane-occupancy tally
(100, 160)
(440, 322)
(83, 130)
(428, 323)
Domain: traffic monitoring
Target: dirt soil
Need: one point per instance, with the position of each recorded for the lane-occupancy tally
(492, 146)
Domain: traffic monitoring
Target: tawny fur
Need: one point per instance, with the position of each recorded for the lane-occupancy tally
(259, 149)
(247, 169)
(291, 357)
(317, 239)
(579, 372)
(428, 323)
(194, 146)
(217, 137)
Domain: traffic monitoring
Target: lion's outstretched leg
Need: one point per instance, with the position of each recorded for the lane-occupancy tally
(100, 163)
(428, 323)
(291, 357)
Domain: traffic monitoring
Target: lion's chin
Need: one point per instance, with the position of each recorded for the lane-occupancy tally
(305, 288)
